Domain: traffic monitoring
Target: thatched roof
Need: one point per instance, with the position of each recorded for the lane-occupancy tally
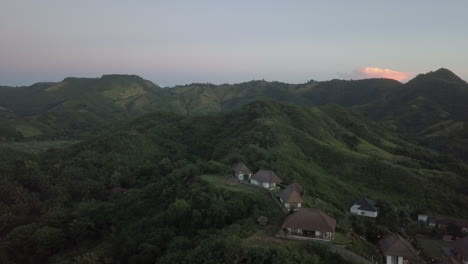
(266, 176)
(461, 247)
(296, 187)
(311, 219)
(292, 194)
(395, 245)
(241, 168)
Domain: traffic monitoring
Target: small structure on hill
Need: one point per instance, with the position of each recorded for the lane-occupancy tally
(460, 250)
(444, 223)
(291, 196)
(265, 178)
(262, 220)
(397, 250)
(364, 207)
(241, 171)
(310, 223)
(422, 218)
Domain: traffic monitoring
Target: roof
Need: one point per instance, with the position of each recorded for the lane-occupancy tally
(311, 219)
(366, 205)
(242, 168)
(291, 194)
(297, 187)
(461, 247)
(448, 221)
(395, 245)
(448, 260)
(266, 176)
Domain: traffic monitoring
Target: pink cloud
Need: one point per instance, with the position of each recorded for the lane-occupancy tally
(372, 72)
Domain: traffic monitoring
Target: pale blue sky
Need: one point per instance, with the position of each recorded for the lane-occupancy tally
(177, 42)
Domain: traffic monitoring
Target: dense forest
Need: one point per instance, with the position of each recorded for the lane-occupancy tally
(145, 181)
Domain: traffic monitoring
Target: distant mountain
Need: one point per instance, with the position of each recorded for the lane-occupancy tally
(83, 106)
(431, 108)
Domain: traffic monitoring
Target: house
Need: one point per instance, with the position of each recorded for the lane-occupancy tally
(446, 222)
(291, 196)
(241, 171)
(422, 218)
(460, 250)
(397, 250)
(432, 222)
(364, 207)
(265, 178)
(309, 223)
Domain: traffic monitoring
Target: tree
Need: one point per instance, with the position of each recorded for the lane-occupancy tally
(48, 240)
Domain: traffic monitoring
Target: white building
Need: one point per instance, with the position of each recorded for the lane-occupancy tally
(364, 207)
(422, 218)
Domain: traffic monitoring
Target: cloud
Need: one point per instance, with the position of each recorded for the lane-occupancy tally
(373, 72)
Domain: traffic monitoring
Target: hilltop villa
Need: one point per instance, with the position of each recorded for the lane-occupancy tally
(291, 196)
(364, 207)
(397, 250)
(265, 178)
(242, 172)
(309, 223)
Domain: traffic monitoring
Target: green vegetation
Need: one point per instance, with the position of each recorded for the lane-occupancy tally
(38, 146)
(57, 206)
(430, 108)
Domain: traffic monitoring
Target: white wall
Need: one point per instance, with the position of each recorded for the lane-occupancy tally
(393, 260)
(289, 205)
(422, 218)
(354, 210)
(243, 176)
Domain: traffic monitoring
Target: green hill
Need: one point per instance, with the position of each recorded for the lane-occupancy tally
(431, 108)
(68, 214)
(78, 107)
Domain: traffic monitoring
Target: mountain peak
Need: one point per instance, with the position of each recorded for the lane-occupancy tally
(441, 74)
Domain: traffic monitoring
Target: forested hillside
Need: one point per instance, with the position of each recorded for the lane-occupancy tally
(79, 107)
(61, 206)
(430, 109)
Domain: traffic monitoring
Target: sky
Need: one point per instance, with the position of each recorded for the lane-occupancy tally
(218, 41)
